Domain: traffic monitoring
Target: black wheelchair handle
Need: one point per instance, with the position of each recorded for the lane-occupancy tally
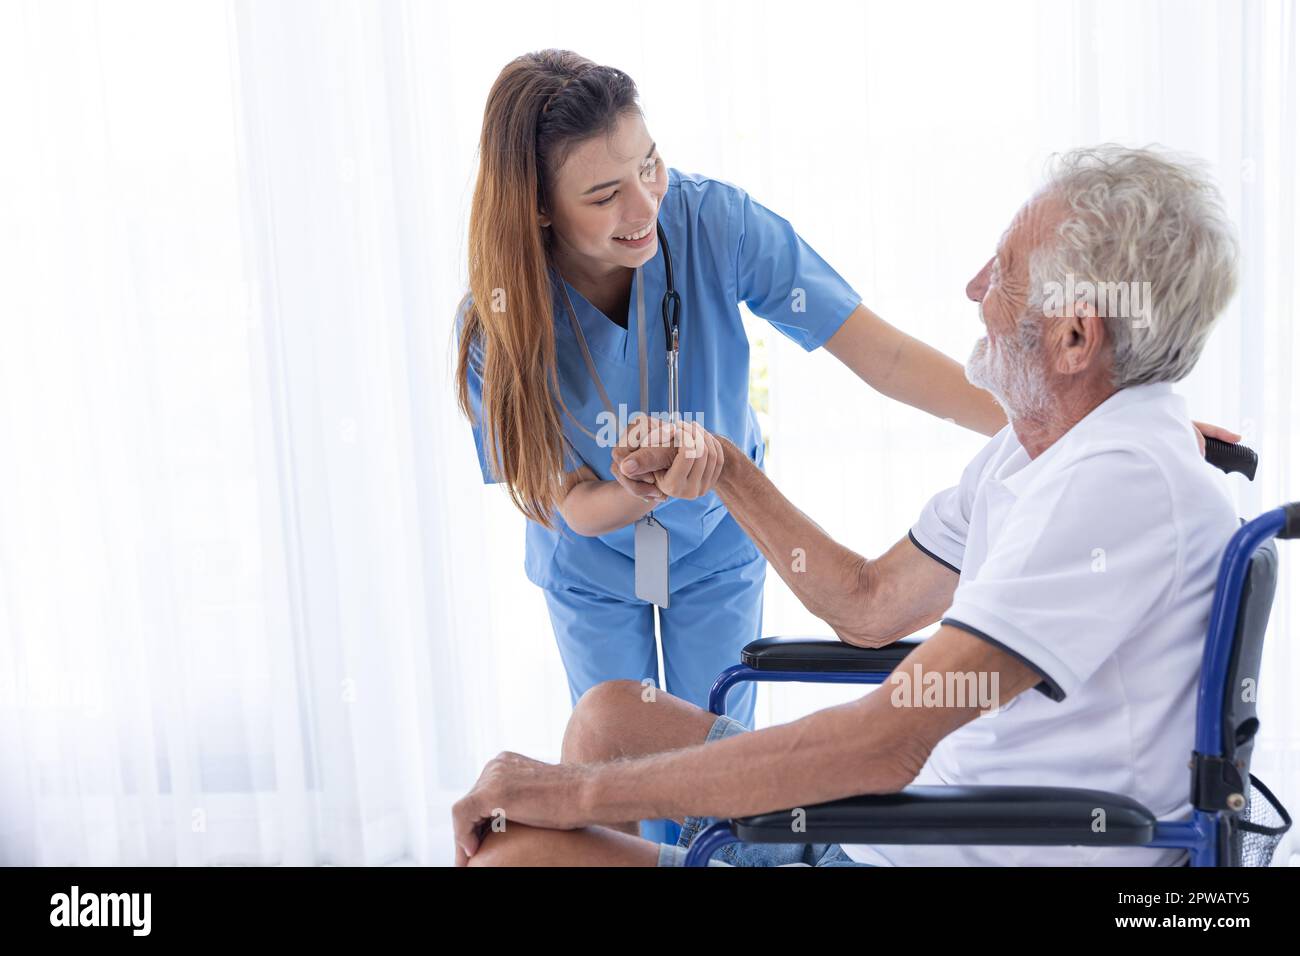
(1290, 521)
(1229, 458)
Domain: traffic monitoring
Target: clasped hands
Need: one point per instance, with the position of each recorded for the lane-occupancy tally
(657, 459)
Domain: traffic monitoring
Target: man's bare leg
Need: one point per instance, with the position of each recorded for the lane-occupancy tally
(623, 718)
(519, 845)
(615, 719)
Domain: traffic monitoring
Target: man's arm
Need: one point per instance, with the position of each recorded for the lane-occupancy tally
(868, 746)
(867, 603)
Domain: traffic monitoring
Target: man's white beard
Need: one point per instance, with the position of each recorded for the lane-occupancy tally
(1012, 371)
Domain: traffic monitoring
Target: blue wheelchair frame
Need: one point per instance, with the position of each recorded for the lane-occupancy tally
(1201, 834)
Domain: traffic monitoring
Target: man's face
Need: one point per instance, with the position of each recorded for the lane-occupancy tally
(610, 187)
(1010, 360)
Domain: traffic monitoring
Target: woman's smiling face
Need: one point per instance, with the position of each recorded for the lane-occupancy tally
(608, 189)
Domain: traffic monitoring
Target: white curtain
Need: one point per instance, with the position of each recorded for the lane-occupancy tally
(255, 604)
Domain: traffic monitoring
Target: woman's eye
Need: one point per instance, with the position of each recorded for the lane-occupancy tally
(648, 171)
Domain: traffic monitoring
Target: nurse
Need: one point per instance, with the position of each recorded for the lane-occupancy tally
(562, 341)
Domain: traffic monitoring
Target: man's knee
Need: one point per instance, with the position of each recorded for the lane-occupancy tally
(520, 845)
(598, 718)
(517, 845)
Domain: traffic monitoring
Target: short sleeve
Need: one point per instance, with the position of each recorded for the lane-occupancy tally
(474, 383)
(941, 529)
(944, 522)
(1082, 559)
(781, 278)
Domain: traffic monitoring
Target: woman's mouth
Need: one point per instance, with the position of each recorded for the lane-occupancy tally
(639, 239)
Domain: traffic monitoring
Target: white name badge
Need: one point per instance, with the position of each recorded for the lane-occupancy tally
(651, 550)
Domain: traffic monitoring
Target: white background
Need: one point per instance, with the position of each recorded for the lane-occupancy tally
(255, 604)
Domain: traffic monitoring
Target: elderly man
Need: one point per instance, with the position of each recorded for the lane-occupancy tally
(1071, 569)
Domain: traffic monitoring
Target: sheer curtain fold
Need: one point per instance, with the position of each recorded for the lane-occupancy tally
(256, 606)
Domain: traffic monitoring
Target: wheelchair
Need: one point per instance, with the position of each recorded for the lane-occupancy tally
(1236, 820)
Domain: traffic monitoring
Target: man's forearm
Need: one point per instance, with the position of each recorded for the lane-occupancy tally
(855, 748)
(832, 581)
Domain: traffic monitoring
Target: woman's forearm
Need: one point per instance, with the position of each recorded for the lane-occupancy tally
(909, 371)
(597, 507)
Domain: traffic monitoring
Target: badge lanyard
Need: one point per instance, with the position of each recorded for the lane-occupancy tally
(650, 536)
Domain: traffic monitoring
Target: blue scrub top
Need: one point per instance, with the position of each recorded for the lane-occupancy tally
(726, 249)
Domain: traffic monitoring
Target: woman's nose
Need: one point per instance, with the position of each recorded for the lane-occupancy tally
(651, 198)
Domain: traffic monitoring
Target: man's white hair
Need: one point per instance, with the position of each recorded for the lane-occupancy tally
(1140, 216)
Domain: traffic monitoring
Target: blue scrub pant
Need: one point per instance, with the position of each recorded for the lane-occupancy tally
(602, 638)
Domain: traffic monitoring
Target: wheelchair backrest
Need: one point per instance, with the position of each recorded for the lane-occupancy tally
(1241, 691)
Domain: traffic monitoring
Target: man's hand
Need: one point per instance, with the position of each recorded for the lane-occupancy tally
(1204, 431)
(684, 458)
(697, 465)
(516, 789)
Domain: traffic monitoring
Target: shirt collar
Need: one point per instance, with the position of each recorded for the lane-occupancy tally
(1018, 469)
(604, 337)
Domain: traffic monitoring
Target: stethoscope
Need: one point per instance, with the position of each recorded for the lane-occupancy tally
(671, 307)
(650, 538)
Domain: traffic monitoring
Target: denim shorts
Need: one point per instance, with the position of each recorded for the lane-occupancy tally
(751, 854)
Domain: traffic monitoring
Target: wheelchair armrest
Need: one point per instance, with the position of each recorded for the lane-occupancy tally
(822, 655)
(973, 816)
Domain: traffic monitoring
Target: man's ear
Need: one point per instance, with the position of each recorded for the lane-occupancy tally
(1080, 339)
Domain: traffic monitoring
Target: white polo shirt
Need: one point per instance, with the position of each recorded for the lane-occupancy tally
(1094, 563)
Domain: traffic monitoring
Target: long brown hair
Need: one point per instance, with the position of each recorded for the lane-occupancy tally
(540, 107)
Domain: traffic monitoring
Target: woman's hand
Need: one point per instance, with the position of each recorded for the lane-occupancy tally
(640, 431)
(1204, 431)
